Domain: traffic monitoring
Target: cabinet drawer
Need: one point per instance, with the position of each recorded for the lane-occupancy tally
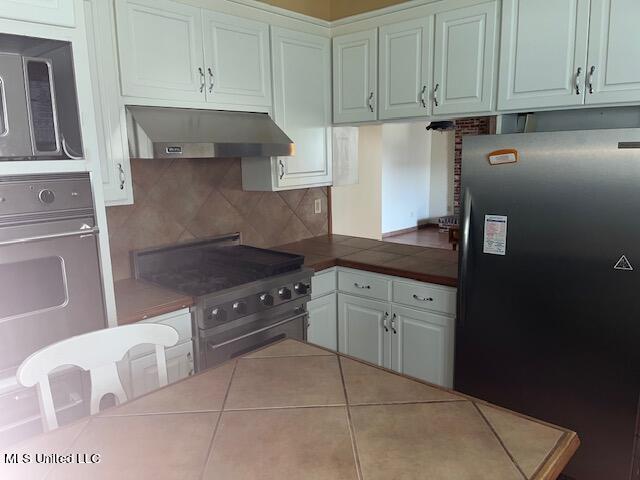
(364, 285)
(323, 282)
(180, 320)
(426, 296)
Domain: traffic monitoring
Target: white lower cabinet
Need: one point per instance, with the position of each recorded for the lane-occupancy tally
(422, 343)
(360, 328)
(141, 365)
(323, 321)
(418, 342)
(144, 370)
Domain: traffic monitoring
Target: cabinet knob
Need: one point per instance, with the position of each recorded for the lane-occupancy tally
(578, 73)
(592, 70)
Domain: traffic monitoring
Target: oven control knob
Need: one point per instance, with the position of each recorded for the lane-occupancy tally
(266, 299)
(240, 307)
(284, 293)
(46, 196)
(218, 314)
(301, 288)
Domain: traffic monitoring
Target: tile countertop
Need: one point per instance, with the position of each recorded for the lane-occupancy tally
(432, 265)
(292, 410)
(137, 300)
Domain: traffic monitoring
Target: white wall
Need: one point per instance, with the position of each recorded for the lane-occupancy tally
(441, 178)
(406, 158)
(356, 209)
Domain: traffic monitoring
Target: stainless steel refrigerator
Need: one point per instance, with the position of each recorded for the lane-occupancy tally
(549, 290)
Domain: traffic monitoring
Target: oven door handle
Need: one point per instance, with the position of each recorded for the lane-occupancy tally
(51, 236)
(260, 330)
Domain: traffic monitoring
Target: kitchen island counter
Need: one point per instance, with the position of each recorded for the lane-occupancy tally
(424, 264)
(292, 410)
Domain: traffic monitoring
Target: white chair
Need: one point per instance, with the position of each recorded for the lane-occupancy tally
(98, 353)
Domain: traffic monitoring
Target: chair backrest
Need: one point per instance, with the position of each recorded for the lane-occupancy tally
(98, 353)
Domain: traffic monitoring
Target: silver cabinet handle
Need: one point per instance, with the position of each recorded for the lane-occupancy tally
(121, 176)
(385, 319)
(364, 287)
(578, 73)
(190, 360)
(202, 80)
(592, 70)
(370, 102)
(422, 299)
(435, 94)
(210, 80)
(424, 89)
(281, 169)
(393, 324)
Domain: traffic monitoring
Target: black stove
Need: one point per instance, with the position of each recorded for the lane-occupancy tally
(245, 296)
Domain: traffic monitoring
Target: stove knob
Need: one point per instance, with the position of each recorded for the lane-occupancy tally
(46, 196)
(218, 314)
(284, 293)
(301, 288)
(240, 307)
(266, 299)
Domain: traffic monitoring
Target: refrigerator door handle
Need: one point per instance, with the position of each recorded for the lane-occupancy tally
(463, 282)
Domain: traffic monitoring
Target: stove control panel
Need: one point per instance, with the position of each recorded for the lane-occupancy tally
(216, 314)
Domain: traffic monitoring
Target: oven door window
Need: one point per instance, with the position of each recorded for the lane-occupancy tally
(32, 286)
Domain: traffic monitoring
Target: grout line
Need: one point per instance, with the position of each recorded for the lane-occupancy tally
(285, 407)
(352, 434)
(409, 402)
(562, 438)
(215, 429)
(513, 460)
(290, 356)
(49, 471)
(148, 414)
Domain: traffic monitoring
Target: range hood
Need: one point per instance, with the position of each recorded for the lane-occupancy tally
(159, 132)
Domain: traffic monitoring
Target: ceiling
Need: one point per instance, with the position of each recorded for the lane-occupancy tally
(332, 9)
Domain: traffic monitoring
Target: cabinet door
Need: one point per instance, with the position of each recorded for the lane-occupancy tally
(237, 60)
(361, 331)
(323, 321)
(406, 63)
(52, 12)
(543, 53)
(613, 69)
(355, 73)
(144, 370)
(112, 141)
(302, 106)
(465, 49)
(422, 345)
(160, 46)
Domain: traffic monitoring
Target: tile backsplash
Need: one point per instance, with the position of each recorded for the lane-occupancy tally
(177, 200)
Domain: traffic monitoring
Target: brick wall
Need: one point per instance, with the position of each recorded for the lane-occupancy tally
(466, 126)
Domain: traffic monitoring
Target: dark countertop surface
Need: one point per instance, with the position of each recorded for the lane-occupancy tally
(424, 264)
(137, 300)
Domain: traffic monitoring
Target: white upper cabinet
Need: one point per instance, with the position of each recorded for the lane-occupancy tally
(237, 61)
(544, 51)
(465, 48)
(355, 73)
(302, 106)
(161, 50)
(406, 68)
(51, 12)
(112, 138)
(613, 67)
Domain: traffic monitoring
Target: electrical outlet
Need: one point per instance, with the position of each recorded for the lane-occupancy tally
(318, 205)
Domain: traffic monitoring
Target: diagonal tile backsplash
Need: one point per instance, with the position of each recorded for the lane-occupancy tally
(177, 200)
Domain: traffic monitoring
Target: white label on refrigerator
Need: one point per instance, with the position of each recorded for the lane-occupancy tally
(495, 234)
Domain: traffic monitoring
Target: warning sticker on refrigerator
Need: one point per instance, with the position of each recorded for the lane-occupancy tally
(495, 234)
